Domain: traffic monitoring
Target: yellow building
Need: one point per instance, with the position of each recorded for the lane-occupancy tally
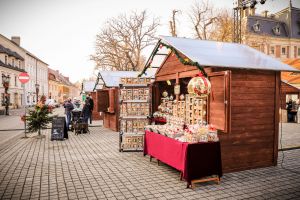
(60, 87)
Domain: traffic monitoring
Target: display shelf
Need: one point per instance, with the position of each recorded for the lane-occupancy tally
(135, 108)
(134, 117)
(133, 134)
(134, 85)
(134, 101)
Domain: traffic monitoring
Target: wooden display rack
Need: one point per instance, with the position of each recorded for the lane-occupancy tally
(135, 108)
(195, 109)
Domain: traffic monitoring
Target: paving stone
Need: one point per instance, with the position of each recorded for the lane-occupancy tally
(89, 166)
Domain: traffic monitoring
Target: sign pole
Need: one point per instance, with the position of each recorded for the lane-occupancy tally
(24, 78)
(24, 110)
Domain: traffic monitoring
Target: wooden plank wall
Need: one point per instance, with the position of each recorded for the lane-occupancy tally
(250, 143)
(95, 114)
(172, 66)
(111, 119)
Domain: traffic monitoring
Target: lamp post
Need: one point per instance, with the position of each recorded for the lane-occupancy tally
(239, 6)
(37, 88)
(5, 83)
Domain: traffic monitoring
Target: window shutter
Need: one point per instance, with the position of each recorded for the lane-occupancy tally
(219, 100)
(102, 100)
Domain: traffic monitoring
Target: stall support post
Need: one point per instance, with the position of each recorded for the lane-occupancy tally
(177, 83)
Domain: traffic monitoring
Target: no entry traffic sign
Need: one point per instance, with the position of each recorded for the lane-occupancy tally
(23, 77)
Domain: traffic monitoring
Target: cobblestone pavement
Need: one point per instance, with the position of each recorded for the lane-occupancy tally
(89, 166)
(11, 126)
(290, 135)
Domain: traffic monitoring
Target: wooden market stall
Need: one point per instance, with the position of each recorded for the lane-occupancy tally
(108, 98)
(287, 90)
(245, 98)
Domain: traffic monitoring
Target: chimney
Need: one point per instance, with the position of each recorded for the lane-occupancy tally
(252, 11)
(16, 40)
(245, 13)
(264, 13)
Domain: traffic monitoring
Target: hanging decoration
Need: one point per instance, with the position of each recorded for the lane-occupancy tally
(199, 86)
(184, 61)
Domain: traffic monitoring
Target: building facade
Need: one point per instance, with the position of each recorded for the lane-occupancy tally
(11, 64)
(38, 72)
(16, 59)
(60, 87)
(277, 35)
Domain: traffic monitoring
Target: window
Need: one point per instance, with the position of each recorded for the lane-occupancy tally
(16, 84)
(283, 50)
(276, 29)
(272, 50)
(298, 51)
(5, 59)
(13, 62)
(19, 64)
(256, 27)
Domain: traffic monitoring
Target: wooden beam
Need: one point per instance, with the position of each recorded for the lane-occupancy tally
(276, 120)
(177, 83)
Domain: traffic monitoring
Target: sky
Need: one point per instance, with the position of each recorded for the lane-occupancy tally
(62, 33)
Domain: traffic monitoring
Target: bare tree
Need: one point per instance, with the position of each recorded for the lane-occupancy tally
(223, 27)
(202, 15)
(173, 24)
(120, 43)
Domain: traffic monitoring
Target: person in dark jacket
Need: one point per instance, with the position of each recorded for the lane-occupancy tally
(68, 111)
(289, 108)
(91, 108)
(86, 111)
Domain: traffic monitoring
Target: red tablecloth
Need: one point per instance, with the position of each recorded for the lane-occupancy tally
(159, 120)
(193, 160)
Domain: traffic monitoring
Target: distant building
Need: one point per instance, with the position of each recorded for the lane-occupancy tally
(60, 87)
(38, 72)
(23, 60)
(277, 35)
(12, 63)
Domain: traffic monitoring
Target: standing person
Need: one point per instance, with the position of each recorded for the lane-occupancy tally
(91, 108)
(85, 111)
(68, 109)
(289, 110)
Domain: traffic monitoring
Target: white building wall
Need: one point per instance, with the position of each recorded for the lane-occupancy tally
(38, 72)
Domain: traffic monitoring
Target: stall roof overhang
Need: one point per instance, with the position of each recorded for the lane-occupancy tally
(223, 54)
(112, 78)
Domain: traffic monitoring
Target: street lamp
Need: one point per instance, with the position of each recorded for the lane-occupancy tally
(5, 83)
(240, 5)
(37, 88)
